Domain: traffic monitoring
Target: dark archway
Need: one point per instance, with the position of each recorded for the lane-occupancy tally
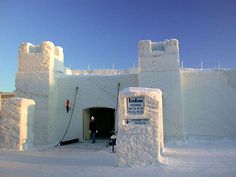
(105, 121)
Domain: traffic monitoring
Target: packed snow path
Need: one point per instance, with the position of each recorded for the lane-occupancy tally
(211, 159)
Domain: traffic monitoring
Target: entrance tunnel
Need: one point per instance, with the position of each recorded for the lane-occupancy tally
(105, 122)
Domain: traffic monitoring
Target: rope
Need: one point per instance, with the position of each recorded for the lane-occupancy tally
(117, 100)
(72, 111)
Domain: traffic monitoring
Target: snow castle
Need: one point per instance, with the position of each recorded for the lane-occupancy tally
(196, 103)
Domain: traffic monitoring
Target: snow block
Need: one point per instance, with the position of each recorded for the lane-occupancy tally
(16, 123)
(140, 127)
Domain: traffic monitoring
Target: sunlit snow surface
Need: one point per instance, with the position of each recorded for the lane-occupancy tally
(191, 159)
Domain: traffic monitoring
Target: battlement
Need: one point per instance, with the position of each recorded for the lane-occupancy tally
(43, 57)
(159, 56)
(147, 47)
(46, 46)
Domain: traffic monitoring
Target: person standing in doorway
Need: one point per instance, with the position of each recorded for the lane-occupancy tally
(93, 129)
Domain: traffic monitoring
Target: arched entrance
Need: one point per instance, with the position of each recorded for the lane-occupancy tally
(105, 121)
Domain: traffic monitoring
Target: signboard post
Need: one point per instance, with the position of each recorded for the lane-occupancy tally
(140, 127)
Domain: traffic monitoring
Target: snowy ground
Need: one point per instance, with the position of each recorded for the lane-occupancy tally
(192, 159)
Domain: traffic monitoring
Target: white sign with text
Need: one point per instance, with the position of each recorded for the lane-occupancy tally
(135, 105)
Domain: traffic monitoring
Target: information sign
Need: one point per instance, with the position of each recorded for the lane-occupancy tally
(135, 105)
(137, 121)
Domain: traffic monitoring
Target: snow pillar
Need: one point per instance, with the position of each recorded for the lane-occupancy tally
(16, 124)
(140, 127)
(38, 69)
(159, 68)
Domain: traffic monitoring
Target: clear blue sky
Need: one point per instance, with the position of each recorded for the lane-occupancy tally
(105, 32)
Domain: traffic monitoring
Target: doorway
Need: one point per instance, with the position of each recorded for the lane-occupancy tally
(105, 122)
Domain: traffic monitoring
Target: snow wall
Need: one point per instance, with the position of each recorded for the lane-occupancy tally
(140, 127)
(94, 91)
(209, 98)
(159, 68)
(16, 123)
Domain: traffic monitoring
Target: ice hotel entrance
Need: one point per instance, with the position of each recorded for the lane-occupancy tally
(105, 121)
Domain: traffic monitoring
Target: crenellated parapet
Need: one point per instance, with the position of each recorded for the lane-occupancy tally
(40, 58)
(147, 47)
(158, 56)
